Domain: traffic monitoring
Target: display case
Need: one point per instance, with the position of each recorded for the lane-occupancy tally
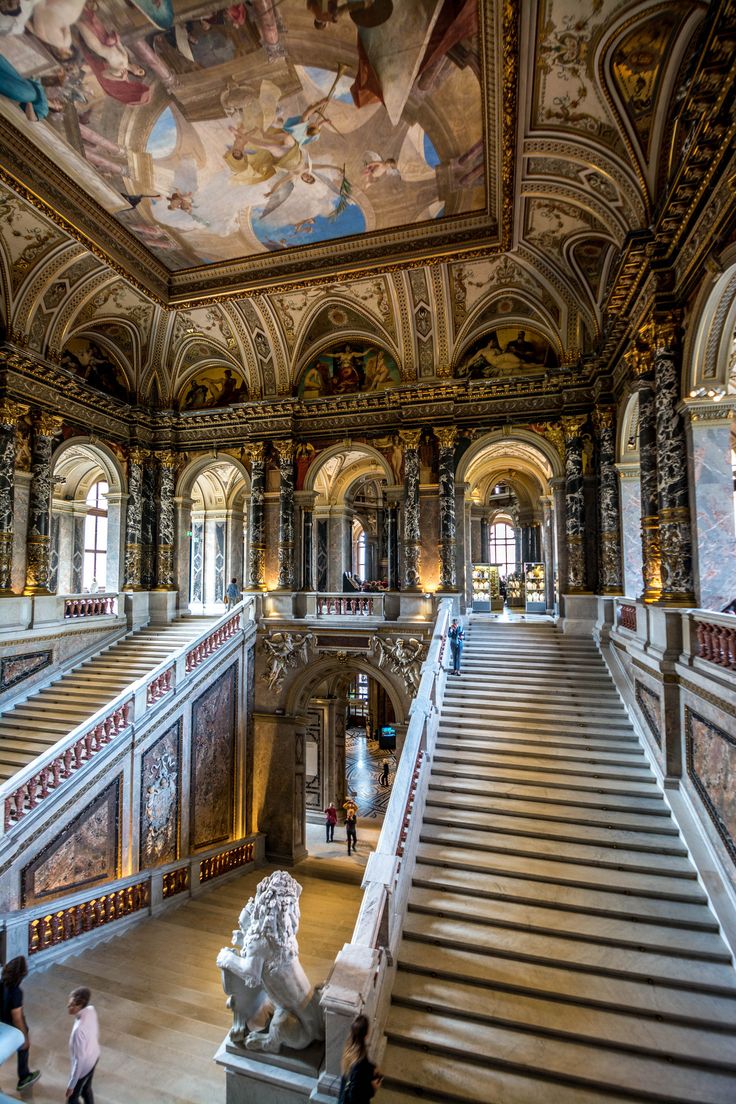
(535, 586)
(514, 590)
(486, 592)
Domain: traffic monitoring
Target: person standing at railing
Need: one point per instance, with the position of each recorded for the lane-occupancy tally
(232, 594)
(13, 1014)
(457, 639)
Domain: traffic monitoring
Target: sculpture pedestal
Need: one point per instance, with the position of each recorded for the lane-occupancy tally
(252, 1077)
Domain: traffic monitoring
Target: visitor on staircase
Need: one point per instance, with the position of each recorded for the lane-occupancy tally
(13, 1014)
(456, 634)
(360, 1077)
(330, 822)
(84, 1047)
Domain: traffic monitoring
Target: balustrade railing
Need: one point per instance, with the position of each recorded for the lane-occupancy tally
(90, 605)
(627, 617)
(717, 642)
(44, 776)
(349, 605)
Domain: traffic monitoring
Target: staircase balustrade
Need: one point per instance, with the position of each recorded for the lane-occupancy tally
(46, 774)
(349, 605)
(717, 641)
(90, 605)
(627, 617)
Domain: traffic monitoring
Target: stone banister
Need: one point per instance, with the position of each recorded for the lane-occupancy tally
(48, 772)
(713, 638)
(359, 604)
(89, 605)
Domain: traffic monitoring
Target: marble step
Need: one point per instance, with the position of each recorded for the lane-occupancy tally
(601, 798)
(602, 781)
(564, 715)
(652, 1001)
(624, 743)
(42, 710)
(586, 927)
(631, 882)
(557, 851)
(504, 726)
(572, 954)
(534, 828)
(495, 684)
(552, 751)
(497, 698)
(602, 1028)
(495, 756)
(655, 820)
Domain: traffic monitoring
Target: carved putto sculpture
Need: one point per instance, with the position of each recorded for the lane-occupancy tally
(284, 650)
(263, 976)
(402, 657)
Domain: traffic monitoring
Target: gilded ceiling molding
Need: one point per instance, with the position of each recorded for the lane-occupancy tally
(248, 357)
(598, 167)
(400, 281)
(67, 315)
(41, 279)
(279, 351)
(440, 301)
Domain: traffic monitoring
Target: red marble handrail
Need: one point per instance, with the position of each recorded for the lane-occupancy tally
(345, 605)
(717, 643)
(53, 773)
(89, 605)
(68, 923)
(159, 686)
(211, 643)
(627, 617)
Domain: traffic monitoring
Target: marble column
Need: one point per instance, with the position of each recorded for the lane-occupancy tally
(447, 437)
(80, 524)
(184, 532)
(675, 535)
(134, 520)
(39, 540)
(285, 450)
(650, 550)
(148, 526)
(631, 542)
(609, 514)
(484, 545)
(412, 545)
(63, 510)
(547, 549)
(256, 543)
(392, 544)
(10, 412)
(304, 501)
(165, 529)
(709, 428)
(574, 504)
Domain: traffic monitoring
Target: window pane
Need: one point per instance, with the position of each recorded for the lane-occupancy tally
(89, 532)
(89, 569)
(102, 534)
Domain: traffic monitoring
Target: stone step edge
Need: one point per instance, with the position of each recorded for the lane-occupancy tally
(439, 772)
(662, 811)
(473, 805)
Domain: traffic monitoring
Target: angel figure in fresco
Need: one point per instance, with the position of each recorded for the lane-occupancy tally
(376, 168)
(321, 189)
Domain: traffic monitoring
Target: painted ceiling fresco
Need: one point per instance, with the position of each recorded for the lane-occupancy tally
(215, 133)
(507, 351)
(348, 368)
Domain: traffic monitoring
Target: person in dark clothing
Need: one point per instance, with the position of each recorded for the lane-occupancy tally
(384, 773)
(12, 1013)
(330, 822)
(457, 639)
(351, 830)
(360, 1077)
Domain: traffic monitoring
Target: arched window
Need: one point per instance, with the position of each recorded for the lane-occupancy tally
(360, 554)
(94, 572)
(503, 547)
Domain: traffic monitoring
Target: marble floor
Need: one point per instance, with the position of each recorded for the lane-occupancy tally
(363, 765)
(159, 998)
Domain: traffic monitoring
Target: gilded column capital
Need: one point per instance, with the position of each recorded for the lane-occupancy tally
(11, 412)
(572, 424)
(552, 432)
(48, 425)
(286, 450)
(603, 418)
(446, 435)
(167, 459)
(410, 438)
(666, 330)
(256, 451)
(138, 455)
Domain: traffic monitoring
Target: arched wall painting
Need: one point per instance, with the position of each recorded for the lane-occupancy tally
(219, 385)
(215, 131)
(91, 361)
(352, 367)
(507, 351)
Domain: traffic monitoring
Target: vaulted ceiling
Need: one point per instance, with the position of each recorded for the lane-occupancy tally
(512, 179)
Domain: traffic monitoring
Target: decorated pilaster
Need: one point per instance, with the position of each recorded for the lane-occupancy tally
(574, 504)
(609, 514)
(10, 412)
(134, 520)
(447, 436)
(256, 545)
(39, 523)
(412, 547)
(650, 552)
(675, 534)
(631, 551)
(484, 545)
(165, 542)
(286, 514)
(392, 536)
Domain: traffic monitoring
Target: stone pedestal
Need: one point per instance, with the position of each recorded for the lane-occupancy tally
(137, 608)
(579, 614)
(253, 1078)
(162, 606)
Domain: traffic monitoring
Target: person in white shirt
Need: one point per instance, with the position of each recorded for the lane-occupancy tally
(84, 1047)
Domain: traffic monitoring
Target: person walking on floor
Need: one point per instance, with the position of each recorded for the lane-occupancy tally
(232, 594)
(13, 1014)
(360, 1077)
(351, 830)
(84, 1047)
(330, 822)
(384, 773)
(457, 639)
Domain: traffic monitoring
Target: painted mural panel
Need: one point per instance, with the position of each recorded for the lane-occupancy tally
(352, 367)
(94, 364)
(14, 669)
(84, 853)
(711, 764)
(214, 132)
(215, 386)
(507, 351)
(159, 819)
(214, 719)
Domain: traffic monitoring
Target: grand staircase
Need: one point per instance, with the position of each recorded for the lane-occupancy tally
(28, 729)
(558, 946)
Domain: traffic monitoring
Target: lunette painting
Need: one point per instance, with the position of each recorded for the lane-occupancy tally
(219, 132)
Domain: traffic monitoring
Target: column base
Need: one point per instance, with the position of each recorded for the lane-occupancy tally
(678, 601)
(36, 592)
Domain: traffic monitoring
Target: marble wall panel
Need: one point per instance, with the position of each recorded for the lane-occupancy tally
(159, 812)
(714, 515)
(14, 669)
(650, 704)
(711, 765)
(84, 853)
(213, 762)
(631, 537)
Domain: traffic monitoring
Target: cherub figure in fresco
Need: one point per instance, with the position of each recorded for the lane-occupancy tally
(180, 201)
(106, 44)
(376, 168)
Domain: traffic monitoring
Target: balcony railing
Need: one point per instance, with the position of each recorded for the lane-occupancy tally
(368, 604)
(89, 605)
(627, 617)
(717, 639)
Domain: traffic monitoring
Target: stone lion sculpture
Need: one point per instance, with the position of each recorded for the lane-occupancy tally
(263, 975)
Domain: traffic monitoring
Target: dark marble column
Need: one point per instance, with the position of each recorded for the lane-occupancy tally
(447, 436)
(10, 412)
(39, 522)
(165, 531)
(307, 550)
(148, 527)
(392, 545)
(134, 520)
(610, 580)
(484, 545)
(642, 364)
(285, 450)
(78, 553)
(256, 545)
(412, 546)
(675, 533)
(574, 504)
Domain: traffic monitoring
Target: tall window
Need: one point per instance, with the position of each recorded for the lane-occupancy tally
(95, 537)
(359, 550)
(503, 547)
